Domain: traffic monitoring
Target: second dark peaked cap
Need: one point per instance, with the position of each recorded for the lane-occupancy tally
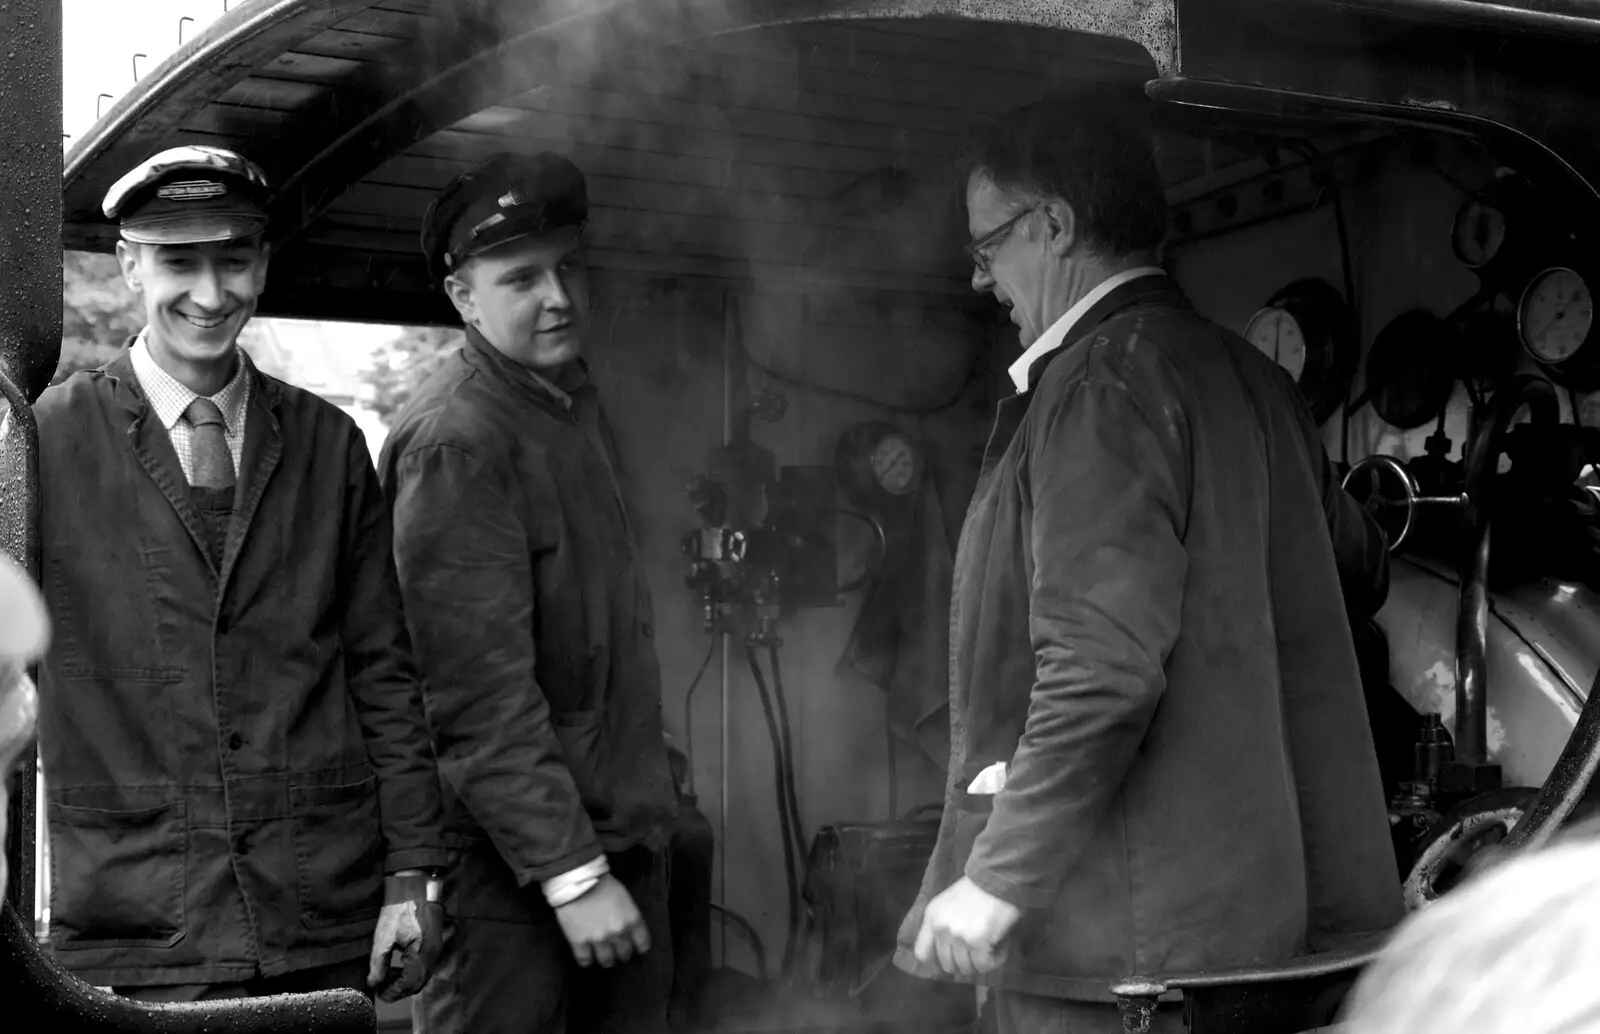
(501, 199)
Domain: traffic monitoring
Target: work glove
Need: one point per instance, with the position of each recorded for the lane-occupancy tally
(409, 937)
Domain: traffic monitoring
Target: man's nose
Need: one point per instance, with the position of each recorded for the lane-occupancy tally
(981, 280)
(207, 289)
(556, 295)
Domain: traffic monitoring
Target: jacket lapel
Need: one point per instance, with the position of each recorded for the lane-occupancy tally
(263, 448)
(153, 446)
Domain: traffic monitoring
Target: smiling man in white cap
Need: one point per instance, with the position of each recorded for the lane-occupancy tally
(243, 799)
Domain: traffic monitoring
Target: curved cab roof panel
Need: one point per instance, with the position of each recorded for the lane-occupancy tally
(797, 153)
(796, 143)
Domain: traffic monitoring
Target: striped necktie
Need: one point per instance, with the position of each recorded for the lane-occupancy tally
(213, 463)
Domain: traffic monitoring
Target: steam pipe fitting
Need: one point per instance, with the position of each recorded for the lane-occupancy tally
(1472, 615)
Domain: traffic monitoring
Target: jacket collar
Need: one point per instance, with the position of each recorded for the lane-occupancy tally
(1057, 334)
(128, 392)
(480, 353)
(1134, 291)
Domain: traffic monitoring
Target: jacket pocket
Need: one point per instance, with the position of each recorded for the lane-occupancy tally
(578, 732)
(339, 852)
(117, 877)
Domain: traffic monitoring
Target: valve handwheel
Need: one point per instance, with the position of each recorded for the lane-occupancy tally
(1384, 487)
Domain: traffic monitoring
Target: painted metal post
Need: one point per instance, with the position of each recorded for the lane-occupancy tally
(30, 321)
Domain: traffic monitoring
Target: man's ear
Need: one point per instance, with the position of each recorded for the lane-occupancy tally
(1060, 227)
(128, 260)
(459, 292)
(261, 270)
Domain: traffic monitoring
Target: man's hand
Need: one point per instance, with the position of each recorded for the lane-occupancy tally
(410, 927)
(964, 927)
(604, 925)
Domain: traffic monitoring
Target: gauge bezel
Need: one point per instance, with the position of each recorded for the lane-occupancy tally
(1486, 200)
(1327, 326)
(1262, 313)
(1580, 371)
(857, 476)
(916, 462)
(1522, 304)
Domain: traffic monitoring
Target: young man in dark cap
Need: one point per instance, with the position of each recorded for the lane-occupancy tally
(243, 799)
(528, 605)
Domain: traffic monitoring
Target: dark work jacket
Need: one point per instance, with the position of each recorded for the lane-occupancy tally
(528, 604)
(1149, 625)
(233, 757)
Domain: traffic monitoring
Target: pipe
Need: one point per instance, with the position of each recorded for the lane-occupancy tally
(1561, 18)
(44, 996)
(1472, 647)
(1472, 614)
(30, 320)
(730, 317)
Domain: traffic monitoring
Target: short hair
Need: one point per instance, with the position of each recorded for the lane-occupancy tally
(1514, 950)
(1090, 146)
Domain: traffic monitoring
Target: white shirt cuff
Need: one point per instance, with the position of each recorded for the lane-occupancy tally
(574, 883)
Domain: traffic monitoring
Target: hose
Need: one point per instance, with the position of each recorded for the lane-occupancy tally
(793, 797)
(780, 785)
(756, 947)
(688, 701)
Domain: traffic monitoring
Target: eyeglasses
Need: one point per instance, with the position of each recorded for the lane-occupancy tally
(981, 251)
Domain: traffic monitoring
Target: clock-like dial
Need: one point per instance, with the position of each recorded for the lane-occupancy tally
(1277, 333)
(1555, 315)
(1480, 231)
(894, 463)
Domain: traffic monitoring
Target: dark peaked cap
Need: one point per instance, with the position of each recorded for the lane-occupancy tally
(500, 199)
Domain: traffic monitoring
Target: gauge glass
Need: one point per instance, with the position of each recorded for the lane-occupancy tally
(894, 463)
(1479, 232)
(1278, 335)
(1556, 313)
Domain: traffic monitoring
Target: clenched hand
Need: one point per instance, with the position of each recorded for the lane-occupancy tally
(408, 926)
(604, 925)
(964, 928)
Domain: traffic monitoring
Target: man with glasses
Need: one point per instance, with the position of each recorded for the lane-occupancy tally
(1161, 757)
(243, 799)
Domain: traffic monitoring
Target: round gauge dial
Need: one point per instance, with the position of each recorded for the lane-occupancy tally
(879, 466)
(894, 463)
(1479, 233)
(1555, 315)
(1277, 333)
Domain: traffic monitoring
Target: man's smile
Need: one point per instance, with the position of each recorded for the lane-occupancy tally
(207, 322)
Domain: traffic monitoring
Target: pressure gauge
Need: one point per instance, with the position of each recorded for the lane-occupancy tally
(1555, 315)
(1307, 329)
(1277, 333)
(895, 463)
(878, 464)
(1479, 233)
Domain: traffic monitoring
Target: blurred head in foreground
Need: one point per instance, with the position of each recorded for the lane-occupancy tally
(24, 635)
(1514, 951)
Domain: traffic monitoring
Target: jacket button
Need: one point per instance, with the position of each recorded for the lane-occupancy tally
(648, 630)
(235, 741)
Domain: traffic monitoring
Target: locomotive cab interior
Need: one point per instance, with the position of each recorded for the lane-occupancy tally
(801, 378)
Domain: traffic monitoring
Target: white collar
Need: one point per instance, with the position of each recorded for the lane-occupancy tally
(1056, 335)
(170, 398)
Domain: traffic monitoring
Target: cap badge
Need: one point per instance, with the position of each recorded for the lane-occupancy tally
(512, 198)
(191, 190)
